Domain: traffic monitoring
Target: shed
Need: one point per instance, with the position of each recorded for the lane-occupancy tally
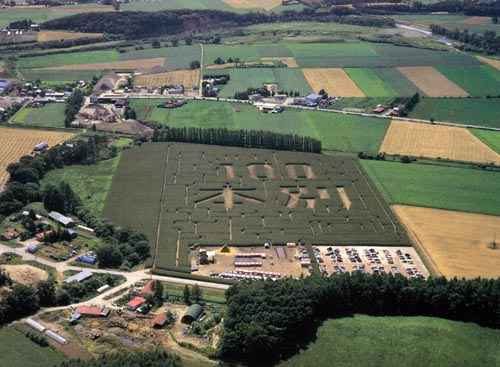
(313, 99)
(58, 217)
(79, 277)
(32, 248)
(193, 313)
(159, 321)
(92, 311)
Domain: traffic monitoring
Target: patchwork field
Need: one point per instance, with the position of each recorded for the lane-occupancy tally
(447, 142)
(490, 138)
(452, 188)
(334, 81)
(251, 4)
(492, 62)
(393, 78)
(52, 114)
(288, 61)
(457, 244)
(45, 36)
(478, 81)
(431, 82)
(113, 65)
(187, 78)
(399, 341)
(196, 194)
(369, 83)
(14, 143)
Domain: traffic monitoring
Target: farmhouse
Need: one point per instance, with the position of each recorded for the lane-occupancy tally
(193, 314)
(92, 311)
(159, 321)
(59, 218)
(313, 99)
(10, 234)
(135, 303)
(79, 277)
(147, 291)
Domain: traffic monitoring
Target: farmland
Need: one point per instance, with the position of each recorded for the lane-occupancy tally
(252, 4)
(75, 58)
(431, 82)
(175, 57)
(453, 188)
(447, 142)
(23, 352)
(478, 81)
(395, 80)
(490, 138)
(458, 244)
(112, 65)
(492, 62)
(399, 341)
(214, 195)
(336, 131)
(474, 111)
(370, 83)
(45, 36)
(14, 143)
(52, 114)
(335, 82)
(60, 77)
(187, 78)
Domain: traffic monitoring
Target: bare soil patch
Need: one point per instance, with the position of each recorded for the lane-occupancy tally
(323, 194)
(492, 62)
(456, 243)
(45, 36)
(432, 82)
(251, 171)
(308, 171)
(269, 171)
(113, 65)
(187, 78)
(345, 199)
(334, 81)
(229, 171)
(249, 4)
(409, 138)
(26, 274)
(290, 169)
(476, 20)
(126, 127)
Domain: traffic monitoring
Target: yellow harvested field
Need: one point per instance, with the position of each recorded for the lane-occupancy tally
(187, 78)
(453, 243)
(15, 143)
(97, 9)
(288, 61)
(45, 36)
(476, 20)
(113, 65)
(432, 82)
(26, 274)
(491, 62)
(253, 4)
(455, 143)
(334, 81)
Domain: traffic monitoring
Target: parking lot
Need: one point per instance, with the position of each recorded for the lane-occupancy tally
(370, 259)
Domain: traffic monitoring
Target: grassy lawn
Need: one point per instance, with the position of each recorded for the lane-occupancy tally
(23, 352)
(479, 81)
(52, 114)
(90, 183)
(452, 188)
(336, 131)
(398, 342)
(370, 83)
(75, 58)
(490, 138)
(207, 294)
(474, 111)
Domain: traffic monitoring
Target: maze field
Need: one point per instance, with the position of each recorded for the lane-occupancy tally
(288, 61)
(15, 143)
(184, 194)
(476, 20)
(432, 82)
(113, 65)
(334, 81)
(187, 78)
(447, 142)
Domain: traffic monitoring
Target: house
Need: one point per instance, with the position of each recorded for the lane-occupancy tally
(135, 303)
(379, 109)
(59, 218)
(92, 311)
(147, 291)
(159, 321)
(80, 277)
(313, 99)
(40, 237)
(10, 234)
(193, 314)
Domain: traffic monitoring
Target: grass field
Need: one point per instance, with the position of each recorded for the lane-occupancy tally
(243, 52)
(90, 183)
(136, 5)
(456, 244)
(52, 114)
(370, 83)
(474, 111)
(490, 138)
(431, 82)
(59, 76)
(336, 131)
(75, 58)
(396, 81)
(436, 141)
(467, 190)
(399, 342)
(112, 65)
(23, 352)
(478, 81)
(177, 58)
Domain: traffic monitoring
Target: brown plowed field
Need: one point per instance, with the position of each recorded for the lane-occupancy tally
(476, 20)
(491, 62)
(113, 65)
(454, 243)
(97, 9)
(26, 274)
(15, 143)
(45, 36)
(187, 78)
(288, 61)
(334, 81)
(263, 4)
(432, 82)
(415, 139)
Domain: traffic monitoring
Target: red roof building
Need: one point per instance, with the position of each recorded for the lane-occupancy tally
(159, 320)
(147, 290)
(41, 236)
(135, 303)
(10, 234)
(92, 311)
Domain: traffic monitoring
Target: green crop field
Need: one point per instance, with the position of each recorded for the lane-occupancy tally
(453, 188)
(175, 4)
(397, 81)
(336, 131)
(479, 81)
(91, 183)
(335, 55)
(17, 350)
(490, 138)
(52, 114)
(370, 83)
(75, 58)
(473, 111)
(399, 342)
(243, 52)
(59, 76)
(183, 194)
(176, 57)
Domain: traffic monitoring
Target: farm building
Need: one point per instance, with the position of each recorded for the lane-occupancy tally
(92, 311)
(59, 218)
(313, 99)
(32, 248)
(79, 277)
(35, 325)
(135, 303)
(193, 314)
(159, 321)
(41, 146)
(40, 237)
(10, 234)
(88, 259)
(147, 291)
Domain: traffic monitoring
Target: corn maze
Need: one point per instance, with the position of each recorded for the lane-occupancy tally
(208, 195)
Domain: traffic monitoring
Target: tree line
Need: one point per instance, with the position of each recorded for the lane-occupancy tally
(269, 321)
(488, 42)
(237, 138)
(73, 105)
